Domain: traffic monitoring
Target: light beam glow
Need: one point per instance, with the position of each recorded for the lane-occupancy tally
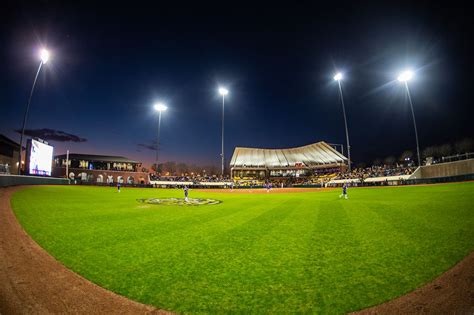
(405, 76)
(223, 91)
(160, 107)
(44, 55)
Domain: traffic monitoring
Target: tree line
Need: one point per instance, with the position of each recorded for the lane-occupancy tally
(172, 168)
(463, 146)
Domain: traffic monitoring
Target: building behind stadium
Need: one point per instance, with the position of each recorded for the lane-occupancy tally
(9, 151)
(99, 169)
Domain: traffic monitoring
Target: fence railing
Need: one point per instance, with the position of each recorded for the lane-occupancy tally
(456, 157)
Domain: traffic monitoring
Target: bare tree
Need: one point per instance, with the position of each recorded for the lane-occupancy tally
(157, 168)
(390, 160)
(193, 168)
(212, 170)
(170, 167)
(465, 145)
(182, 168)
(429, 152)
(445, 149)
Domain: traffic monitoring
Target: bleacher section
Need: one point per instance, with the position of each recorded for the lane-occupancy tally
(292, 162)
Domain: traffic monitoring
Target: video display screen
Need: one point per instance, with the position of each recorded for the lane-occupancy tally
(40, 158)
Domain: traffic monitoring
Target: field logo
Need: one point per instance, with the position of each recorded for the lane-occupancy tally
(180, 201)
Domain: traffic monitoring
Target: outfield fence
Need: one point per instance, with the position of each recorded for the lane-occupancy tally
(446, 179)
(15, 180)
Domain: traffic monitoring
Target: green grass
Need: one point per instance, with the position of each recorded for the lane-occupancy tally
(304, 252)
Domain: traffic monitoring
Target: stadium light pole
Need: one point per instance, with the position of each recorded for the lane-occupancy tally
(404, 77)
(338, 77)
(160, 108)
(223, 92)
(44, 57)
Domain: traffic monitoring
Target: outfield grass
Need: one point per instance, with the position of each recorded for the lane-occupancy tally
(295, 252)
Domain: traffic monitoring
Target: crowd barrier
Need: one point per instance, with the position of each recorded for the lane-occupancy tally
(436, 180)
(165, 184)
(159, 184)
(14, 180)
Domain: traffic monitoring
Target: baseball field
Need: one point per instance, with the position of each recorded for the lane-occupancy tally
(251, 251)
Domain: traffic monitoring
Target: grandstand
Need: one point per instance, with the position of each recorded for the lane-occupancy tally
(255, 163)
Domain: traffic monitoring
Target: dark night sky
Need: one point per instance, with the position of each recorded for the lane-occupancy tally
(110, 64)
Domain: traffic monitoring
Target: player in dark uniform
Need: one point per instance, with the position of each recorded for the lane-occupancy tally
(344, 191)
(186, 193)
(118, 186)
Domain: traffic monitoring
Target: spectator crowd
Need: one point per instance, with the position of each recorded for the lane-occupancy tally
(376, 171)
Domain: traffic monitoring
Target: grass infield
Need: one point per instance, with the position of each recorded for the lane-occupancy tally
(254, 253)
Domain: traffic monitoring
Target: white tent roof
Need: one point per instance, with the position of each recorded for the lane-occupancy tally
(310, 155)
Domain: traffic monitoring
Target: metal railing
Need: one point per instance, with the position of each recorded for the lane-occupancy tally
(457, 157)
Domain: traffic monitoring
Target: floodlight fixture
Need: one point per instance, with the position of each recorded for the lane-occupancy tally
(405, 76)
(338, 76)
(223, 91)
(44, 55)
(160, 107)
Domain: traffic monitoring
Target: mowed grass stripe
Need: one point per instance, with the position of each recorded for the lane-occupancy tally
(191, 254)
(209, 267)
(383, 244)
(187, 236)
(254, 253)
(332, 244)
(418, 230)
(162, 226)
